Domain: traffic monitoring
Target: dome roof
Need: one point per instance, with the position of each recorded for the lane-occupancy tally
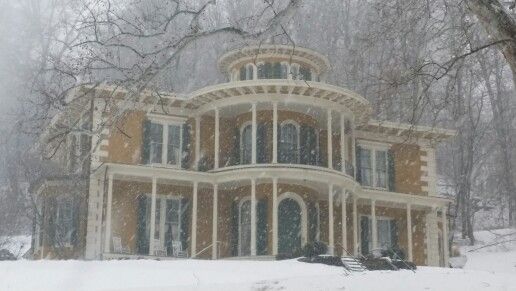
(250, 53)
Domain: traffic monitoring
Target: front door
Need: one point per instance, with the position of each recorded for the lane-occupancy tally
(289, 226)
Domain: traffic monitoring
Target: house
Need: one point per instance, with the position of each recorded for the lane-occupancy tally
(252, 168)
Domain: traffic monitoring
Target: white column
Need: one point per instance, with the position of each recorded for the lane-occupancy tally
(331, 243)
(274, 216)
(153, 217)
(342, 145)
(193, 237)
(343, 197)
(253, 217)
(374, 227)
(214, 230)
(330, 143)
(197, 141)
(445, 236)
(353, 148)
(274, 132)
(409, 232)
(355, 227)
(253, 134)
(107, 243)
(217, 137)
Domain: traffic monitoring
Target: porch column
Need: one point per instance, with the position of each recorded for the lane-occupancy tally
(355, 226)
(331, 243)
(152, 217)
(214, 219)
(217, 137)
(193, 238)
(353, 148)
(253, 217)
(274, 216)
(409, 232)
(253, 134)
(374, 227)
(330, 143)
(274, 132)
(445, 236)
(343, 197)
(107, 243)
(197, 141)
(342, 145)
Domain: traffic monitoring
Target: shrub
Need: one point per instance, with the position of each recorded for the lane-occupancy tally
(314, 249)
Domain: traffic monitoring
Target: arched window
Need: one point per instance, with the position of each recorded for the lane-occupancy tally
(244, 228)
(294, 71)
(246, 144)
(276, 71)
(261, 71)
(289, 143)
(246, 72)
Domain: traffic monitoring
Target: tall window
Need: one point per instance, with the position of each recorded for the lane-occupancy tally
(305, 74)
(373, 166)
(366, 166)
(163, 143)
(246, 144)
(289, 143)
(386, 229)
(64, 222)
(246, 72)
(156, 143)
(284, 71)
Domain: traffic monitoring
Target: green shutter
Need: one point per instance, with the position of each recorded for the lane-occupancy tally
(391, 171)
(234, 228)
(142, 240)
(261, 228)
(312, 222)
(235, 156)
(186, 146)
(145, 153)
(364, 234)
(185, 222)
(359, 168)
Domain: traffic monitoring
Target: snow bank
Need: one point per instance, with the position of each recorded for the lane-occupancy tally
(149, 275)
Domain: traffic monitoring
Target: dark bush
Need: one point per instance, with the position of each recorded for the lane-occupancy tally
(404, 265)
(324, 259)
(378, 264)
(6, 255)
(314, 249)
(394, 253)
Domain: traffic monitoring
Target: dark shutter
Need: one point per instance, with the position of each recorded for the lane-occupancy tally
(359, 168)
(394, 234)
(281, 154)
(391, 171)
(312, 221)
(186, 146)
(261, 143)
(52, 216)
(304, 150)
(234, 228)
(76, 222)
(242, 73)
(261, 228)
(145, 154)
(185, 222)
(364, 234)
(235, 156)
(142, 240)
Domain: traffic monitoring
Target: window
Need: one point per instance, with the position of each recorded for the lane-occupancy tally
(365, 166)
(373, 166)
(64, 222)
(247, 72)
(284, 71)
(163, 143)
(156, 143)
(294, 71)
(289, 143)
(168, 221)
(305, 74)
(246, 144)
(381, 169)
(386, 229)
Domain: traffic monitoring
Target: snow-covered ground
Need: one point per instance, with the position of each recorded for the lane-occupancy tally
(17, 245)
(487, 269)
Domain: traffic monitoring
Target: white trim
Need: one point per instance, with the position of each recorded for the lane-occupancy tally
(107, 242)
(253, 134)
(331, 228)
(274, 216)
(193, 238)
(216, 145)
(275, 132)
(166, 119)
(165, 126)
(329, 130)
(214, 222)
(304, 213)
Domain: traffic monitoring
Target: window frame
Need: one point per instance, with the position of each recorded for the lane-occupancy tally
(240, 204)
(65, 240)
(166, 122)
(297, 127)
(369, 231)
(162, 198)
(374, 148)
(242, 128)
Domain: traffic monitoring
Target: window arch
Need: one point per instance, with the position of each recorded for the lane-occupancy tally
(289, 142)
(244, 227)
(246, 143)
